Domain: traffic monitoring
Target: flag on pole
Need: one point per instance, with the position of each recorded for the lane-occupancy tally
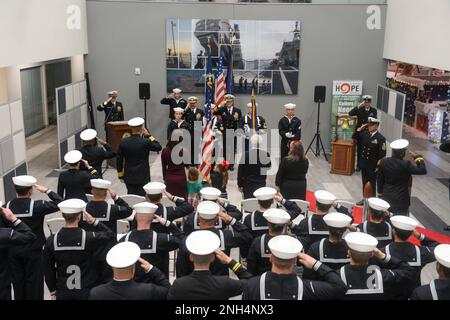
(207, 132)
(220, 89)
(254, 111)
(230, 80)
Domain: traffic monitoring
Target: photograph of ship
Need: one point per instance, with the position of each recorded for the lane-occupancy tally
(264, 55)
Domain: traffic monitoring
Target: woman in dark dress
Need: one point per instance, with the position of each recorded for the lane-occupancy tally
(174, 175)
(291, 175)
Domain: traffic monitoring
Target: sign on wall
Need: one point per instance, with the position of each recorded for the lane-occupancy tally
(346, 95)
(265, 54)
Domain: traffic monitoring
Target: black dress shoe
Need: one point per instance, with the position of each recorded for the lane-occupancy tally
(360, 203)
(357, 169)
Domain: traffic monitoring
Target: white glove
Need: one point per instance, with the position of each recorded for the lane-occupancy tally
(289, 135)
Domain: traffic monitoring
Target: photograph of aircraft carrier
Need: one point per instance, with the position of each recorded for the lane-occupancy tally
(263, 54)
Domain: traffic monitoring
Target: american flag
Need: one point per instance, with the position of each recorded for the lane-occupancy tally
(207, 133)
(219, 93)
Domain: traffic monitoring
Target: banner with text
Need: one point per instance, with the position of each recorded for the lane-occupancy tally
(346, 95)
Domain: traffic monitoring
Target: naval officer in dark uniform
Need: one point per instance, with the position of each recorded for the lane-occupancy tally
(155, 247)
(239, 236)
(379, 226)
(253, 167)
(76, 183)
(367, 281)
(25, 262)
(13, 232)
(174, 100)
(416, 256)
(134, 151)
(108, 214)
(211, 194)
(112, 108)
(194, 115)
(202, 284)
(123, 258)
(363, 111)
(230, 119)
(69, 263)
(258, 258)
(289, 128)
(373, 149)
(394, 177)
(284, 284)
(177, 122)
(92, 152)
(313, 228)
(153, 193)
(246, 125)
(331, 251)
(438, 289)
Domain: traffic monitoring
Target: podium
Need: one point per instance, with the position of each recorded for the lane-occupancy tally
(116, 131)
(343, 158)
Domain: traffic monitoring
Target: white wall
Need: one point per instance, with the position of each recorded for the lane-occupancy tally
(36, 30)
(418, 32)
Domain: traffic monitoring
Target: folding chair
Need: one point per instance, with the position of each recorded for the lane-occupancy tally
(304, 206)
(123, 226)
(55, 224)
(428, 273)
(132, 199)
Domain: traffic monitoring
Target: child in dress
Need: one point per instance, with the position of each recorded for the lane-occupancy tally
(193, 186)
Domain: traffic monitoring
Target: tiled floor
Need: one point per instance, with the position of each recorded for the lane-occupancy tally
(432, 195)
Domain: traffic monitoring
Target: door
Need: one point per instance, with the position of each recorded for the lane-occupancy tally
(56, 75)
(33, 112)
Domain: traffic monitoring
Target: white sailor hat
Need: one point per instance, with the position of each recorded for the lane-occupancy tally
(192, 98)
(367, 97)
(290, 106)
(113, 93)
(265, 193)
(442, 254)
(250, 104)
(399, 144)
(136, 122)
(178, 109)
(361, 242)
(202, 242)
(285, 247)
(72, 206)
(210, 193)
(404, 223)
(276, 216)
(73, 156)
(24, 181)
(176, 90)
(100, 183)
(123, 255)
(145, 207)
(88, 134)
(373, 120)
(229, 96)
(378, 204)
(154, 188)
(337, 220)
(208, 210)
(324, 197)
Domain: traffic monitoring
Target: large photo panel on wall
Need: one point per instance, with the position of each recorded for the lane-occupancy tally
(260, 54)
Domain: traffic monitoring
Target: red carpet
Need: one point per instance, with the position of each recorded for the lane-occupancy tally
(357, 215)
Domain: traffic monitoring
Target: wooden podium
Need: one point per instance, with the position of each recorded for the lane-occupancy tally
(116, 131)
(343, 158)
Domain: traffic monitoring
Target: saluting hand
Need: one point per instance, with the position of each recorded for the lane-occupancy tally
(86, 163)
(112, 193)
(89, 218)
(101, 141)
(8, 214)
(306, 260)
(222, 257)
(160, 219)
(225, 217)
(169, 195)
(41, 188)
(380, 255)
(145, 265)
(278, 197)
